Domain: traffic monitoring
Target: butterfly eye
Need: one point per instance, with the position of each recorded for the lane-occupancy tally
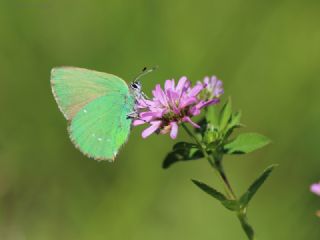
(135, 86)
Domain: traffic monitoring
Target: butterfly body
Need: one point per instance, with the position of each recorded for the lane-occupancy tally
(98, 106)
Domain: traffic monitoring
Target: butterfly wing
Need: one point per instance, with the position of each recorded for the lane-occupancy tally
(102, 126)
(74, 88)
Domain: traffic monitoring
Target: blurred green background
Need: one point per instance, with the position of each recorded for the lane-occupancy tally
(266, 52)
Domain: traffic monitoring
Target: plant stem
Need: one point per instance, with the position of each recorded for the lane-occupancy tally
(225, 180)
(217, 165)
(245, 225)
(204, 152)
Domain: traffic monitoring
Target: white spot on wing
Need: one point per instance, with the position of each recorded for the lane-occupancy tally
(99, 139)
(85, 110)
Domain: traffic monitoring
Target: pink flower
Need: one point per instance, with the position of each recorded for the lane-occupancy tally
(315, 188)
(213, 87)
(173, 105)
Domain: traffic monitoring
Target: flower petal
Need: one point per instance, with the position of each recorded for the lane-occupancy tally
(206, 80)
(315, 188)
(154, 126)
(173, 101)
(159, 94)
(187, 101)
(214, 86)
(218, 90)
(138, 122)
(195, 90)
(194, 111)
(157, 114)
(173, 97)
(213, 81)
(181, 84)
(208, 103)
(174, 130)
(188, 119)
(169, 84)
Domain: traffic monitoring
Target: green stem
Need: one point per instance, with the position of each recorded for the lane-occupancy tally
(204, 152)
(245, 225)
(225, 180)
(217, 165)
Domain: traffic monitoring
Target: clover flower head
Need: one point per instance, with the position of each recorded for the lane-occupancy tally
(174, 104)
(214, 86)
(315, 188)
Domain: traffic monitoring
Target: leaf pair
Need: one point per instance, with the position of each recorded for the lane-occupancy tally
(227, 203)
(242, 203)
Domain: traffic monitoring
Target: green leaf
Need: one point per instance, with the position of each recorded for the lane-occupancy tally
(246, 143)
(233, 124)
(235, 120)
(229, 204)
(232, 205)
(211, 191)
(182, 151)
(247, 196)
(184, 145)
(225, 114)
(212, 116)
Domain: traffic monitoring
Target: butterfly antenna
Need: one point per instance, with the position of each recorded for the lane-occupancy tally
(144, 72)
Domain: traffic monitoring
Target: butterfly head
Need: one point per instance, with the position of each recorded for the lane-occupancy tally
(136, 86)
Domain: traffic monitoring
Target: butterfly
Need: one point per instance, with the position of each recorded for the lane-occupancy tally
(99, 107)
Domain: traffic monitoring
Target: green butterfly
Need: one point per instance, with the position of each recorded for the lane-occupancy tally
(99, 107)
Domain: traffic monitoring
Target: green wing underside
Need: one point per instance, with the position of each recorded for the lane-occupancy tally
(101, 127)
(97, 105)
(73, 87)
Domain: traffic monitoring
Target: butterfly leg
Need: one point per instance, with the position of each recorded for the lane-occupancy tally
(132, 115)
(144, 95)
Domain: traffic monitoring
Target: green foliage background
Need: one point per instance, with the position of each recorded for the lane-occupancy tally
(267, 53)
